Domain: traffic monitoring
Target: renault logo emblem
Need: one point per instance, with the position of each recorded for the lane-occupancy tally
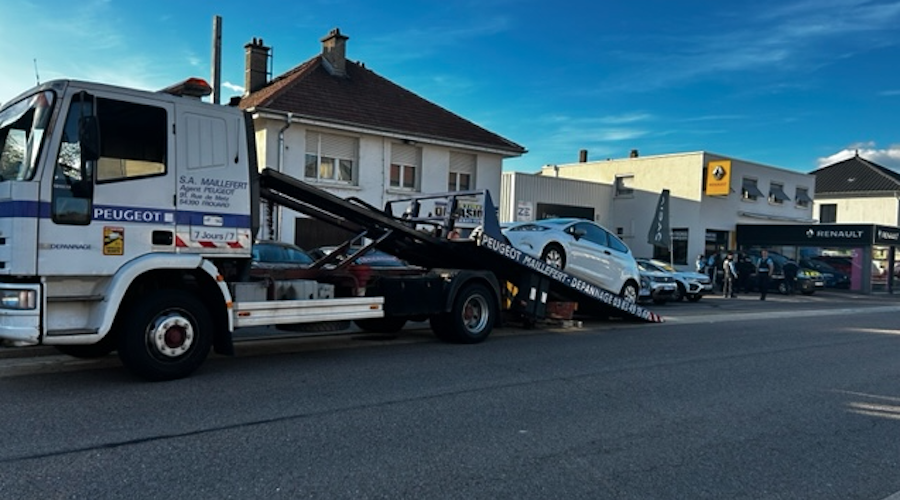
(719, 172)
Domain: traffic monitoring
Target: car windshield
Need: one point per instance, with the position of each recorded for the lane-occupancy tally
(665, 266)
(372, 257)
(22, 127)
(283, 254)
(648, 266)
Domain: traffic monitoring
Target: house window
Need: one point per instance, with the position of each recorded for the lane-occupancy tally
(624, 185)
(406, 161)
(776, 193)
(462, 172)
(331, 158)
(749, 191)
(801, 197)
(828, 213)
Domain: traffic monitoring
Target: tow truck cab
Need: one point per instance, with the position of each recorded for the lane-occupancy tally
(96, 180)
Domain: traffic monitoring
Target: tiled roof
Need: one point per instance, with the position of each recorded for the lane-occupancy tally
(855, 176)
(365, 99)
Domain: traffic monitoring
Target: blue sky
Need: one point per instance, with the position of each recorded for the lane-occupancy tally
(795, 84)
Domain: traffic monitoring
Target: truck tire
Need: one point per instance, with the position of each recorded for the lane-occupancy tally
(165, 335)
(471, 319)
(381, 325)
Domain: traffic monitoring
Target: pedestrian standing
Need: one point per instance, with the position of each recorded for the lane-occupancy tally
(790, 277)
(763, 271)
(711, 267)
(730, 275)
(701, 263)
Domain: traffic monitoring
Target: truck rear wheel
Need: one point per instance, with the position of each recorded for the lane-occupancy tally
(471, 319)
(165, 336)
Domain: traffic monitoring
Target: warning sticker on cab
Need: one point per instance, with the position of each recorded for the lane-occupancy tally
(113, 240)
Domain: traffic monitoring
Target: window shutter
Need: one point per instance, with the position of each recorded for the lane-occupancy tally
(331, 146)
(462, 163)
(402, 154)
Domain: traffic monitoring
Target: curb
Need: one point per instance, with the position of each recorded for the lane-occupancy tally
(27, 352)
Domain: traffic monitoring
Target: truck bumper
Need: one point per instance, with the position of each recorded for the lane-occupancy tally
(20, 314)
(18, 329)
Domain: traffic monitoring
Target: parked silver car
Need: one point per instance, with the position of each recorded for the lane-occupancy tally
(691, 285)
(582, 248)
(656, 285)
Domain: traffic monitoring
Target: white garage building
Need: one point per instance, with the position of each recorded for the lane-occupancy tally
(709, 195)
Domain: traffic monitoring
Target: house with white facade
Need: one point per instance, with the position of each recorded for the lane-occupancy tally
(857, 190)
(336, 124)
(709, 195)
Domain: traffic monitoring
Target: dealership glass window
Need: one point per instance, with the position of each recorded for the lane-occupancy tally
(801, 197)
(749, 191)
(827, 213)
(624, 185)
(679, 249)
(331, 158)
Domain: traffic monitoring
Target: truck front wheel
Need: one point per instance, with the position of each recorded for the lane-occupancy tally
(471, 319)
(165, 336)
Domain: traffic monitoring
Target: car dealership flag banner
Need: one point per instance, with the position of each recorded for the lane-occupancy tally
(659, 229)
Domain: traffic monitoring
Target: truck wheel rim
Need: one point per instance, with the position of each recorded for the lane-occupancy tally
(475, 314)
(171, 335)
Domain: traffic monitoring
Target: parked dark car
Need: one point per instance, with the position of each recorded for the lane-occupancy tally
(842, 264)
(269, 254)
(807, 282)
(833, 277)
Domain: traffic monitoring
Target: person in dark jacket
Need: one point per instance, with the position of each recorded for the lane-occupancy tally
(764, 269)
(790, 277)
(745, 270)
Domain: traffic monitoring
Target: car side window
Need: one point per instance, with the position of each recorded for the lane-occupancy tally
(592, 233)
(617, 244)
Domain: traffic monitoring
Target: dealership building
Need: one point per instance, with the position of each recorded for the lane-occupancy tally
(716, 203)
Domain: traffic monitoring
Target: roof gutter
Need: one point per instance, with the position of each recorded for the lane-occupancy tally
(506, 152)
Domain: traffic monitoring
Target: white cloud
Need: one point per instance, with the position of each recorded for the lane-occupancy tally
(230, 86)
(888, 157)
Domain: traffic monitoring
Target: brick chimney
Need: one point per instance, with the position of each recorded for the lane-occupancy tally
(256, 66)
(334, 52)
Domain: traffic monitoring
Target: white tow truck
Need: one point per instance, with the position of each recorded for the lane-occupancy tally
(127, 220)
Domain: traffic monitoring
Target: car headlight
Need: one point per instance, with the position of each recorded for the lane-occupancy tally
(18, 299)
(645, 283)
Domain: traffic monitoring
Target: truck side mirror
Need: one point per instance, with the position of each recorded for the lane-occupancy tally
(89, 137)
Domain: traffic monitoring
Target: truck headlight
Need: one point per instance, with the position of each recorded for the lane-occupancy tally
(18, 299)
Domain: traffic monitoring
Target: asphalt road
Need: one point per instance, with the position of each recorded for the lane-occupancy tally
(797, 397)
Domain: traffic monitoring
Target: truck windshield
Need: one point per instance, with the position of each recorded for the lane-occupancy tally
(22, 127)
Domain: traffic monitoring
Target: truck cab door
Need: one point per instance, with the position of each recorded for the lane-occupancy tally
(119, 206)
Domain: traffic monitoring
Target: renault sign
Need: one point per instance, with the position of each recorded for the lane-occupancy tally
(718, 178)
